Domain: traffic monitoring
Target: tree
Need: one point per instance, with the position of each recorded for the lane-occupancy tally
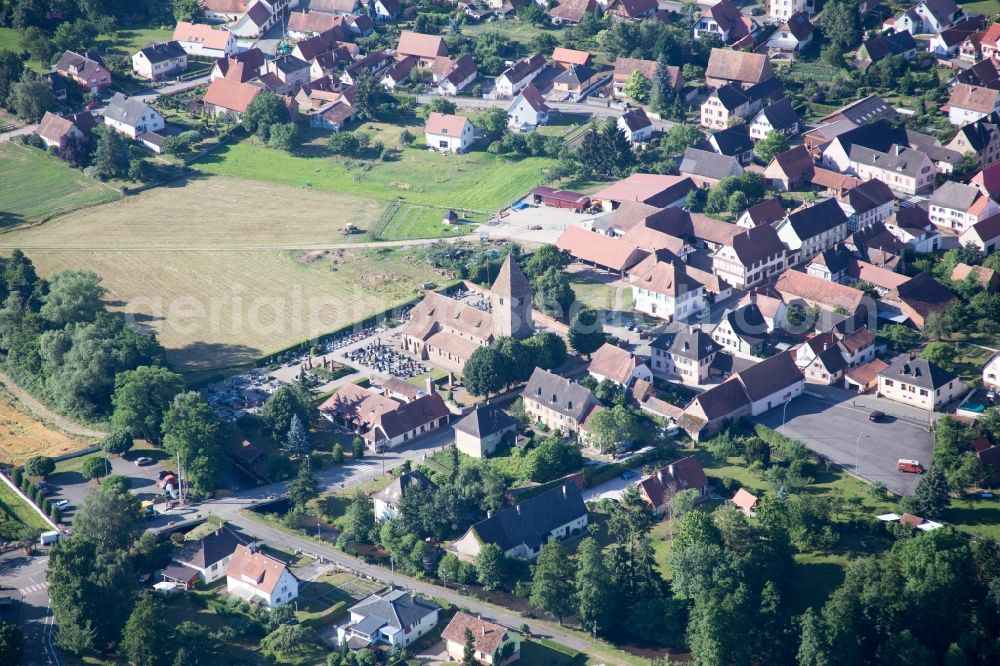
(11, 68)
(406, 137)
(193, 433)
(359, 520)
(116, 442)
(551, 586)
(111, 520)
(75, 150)
(30, 97)
(839, 23)
(96, 467)
(303, 487)
(683, 502)
(546, 257)
(469, 651)
(939, 352)
(279, 410)
(11, 644)
(186, 10)
(484, 372)
(517, 358)
(813, 643)
(289, 639)
(637, 87)
(493, 122)
(367, 96)
(449, 569)
(297, 440)
(144, 637)
(263, 112)
(491, 567)
(771, 145)
(552, 293)
(930, 498)
(661, 90)
(617, 149)
(285, 136)
(679, 139)
(613, 426)
(111, 157)
(39, 466)
(358, 448)
(116, 484)
(595, 597)
(142, 398)
(548, 349)
(586, 332)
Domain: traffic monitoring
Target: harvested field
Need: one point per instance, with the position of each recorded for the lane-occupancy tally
(22, 436)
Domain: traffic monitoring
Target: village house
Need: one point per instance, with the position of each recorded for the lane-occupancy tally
(918, 382)
(631, 10)
(781, 10)
(258, 19)
(445, 331)
(968, 103)
(810, 229)
(733, 142)
(493, 644)
(750, 392)
(903, 169)
(56, 131)
(775, 117)
(556, 402)
(528, 110)
(991, 373)
(724, 20)
(928, 17)
(986, 278)
(606, 252)
(790, 170)
(913, 228)
(984, 235)
(356, 408)
(425, 48)
(87, 71)
(224, 11)
(387, 500)
(830, 264)
(979, 45)
(740, 68)
(731, 101)
(684, 356)
(375, 63)
(751, 257)
(571, 12)
(240, 67)
(625, 66)
(879, 47)
(636, 125)
(566, 58)
(304, 25)
(811, 291)
(575, 80)
(229, 97)
(949, 42)
(866, 204)
(396, 618)
(481, 431)
(132, 117)
(522, 530)
(768, 211)
(982, 138)
(987, 180)
(407, 422)
(284, 75)
(792, 36)
(769, 305)
(659, 487)
(659, 190)
(208, 557)
(513, 79)
(742, 331)
(199, 39)
(958, 207)
(448, 133)
(310, 48)
(159, 60)
(255, 576)
(617, 365)
(666, 292)
(453, 76)
(386, 10)
(746, 502)
(918, 298)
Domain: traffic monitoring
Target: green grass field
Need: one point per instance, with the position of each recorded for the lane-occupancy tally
(411, 222)
(35, 186)
(14, 510)
(130, 41)
(477, 181)
(985, 7)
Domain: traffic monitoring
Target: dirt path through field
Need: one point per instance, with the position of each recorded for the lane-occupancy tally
(43, 413)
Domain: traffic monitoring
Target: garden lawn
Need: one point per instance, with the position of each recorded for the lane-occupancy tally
(130, 41)
(987, 8)
(546, 653)
(413, 222)
(37, 186)
(13, 508)
(478, 182)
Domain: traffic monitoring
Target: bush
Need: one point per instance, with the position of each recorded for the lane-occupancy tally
(40, 466)
(16, 476)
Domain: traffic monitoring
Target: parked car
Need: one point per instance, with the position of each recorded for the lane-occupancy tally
(142, 461)
(63, 504)
(909, 466)
(876, 416)
(628, 474)
(164, 473)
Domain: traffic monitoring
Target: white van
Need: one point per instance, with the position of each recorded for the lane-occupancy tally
(48, 538)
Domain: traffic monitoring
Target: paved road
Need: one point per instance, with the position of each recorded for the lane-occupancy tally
(30, 610)
(147, 96)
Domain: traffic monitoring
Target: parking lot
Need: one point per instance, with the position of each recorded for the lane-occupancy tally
(69, 484)
(831, 426)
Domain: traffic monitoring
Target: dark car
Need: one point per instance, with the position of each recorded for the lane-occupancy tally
(876, 416)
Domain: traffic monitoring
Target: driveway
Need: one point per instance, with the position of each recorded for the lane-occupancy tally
(834, 423)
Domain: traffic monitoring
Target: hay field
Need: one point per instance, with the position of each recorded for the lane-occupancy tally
(23, 436)
(211, 267)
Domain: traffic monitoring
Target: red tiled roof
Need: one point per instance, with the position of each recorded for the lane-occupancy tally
(487, 635)
(445, 123)
(231, 95)
(613, 253)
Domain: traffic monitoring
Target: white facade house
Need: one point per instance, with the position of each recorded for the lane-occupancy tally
(259, 578)
(513, 79)
(199, 39)
(528, 110)
(919, 383)
(958, 207)
(396, 618)
(780, 10)
(448, 133)
(991, 373)
(131, 116)
(666, 292)
(210, 555)
(387, 500)
(812, 229)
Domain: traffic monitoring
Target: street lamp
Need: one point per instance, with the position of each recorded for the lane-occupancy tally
(857, 453)
(784, 411)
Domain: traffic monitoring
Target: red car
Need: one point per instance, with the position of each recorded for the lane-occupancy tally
(909, 466)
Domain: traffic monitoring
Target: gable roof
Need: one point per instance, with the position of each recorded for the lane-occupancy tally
(531, 521)
(572, 10)
(613, 253)
(983, 275)
(633, 8)
(954, 195)
(158, 52)
(664, 483)
(127, 110)
(740, 66)
(654, 189)
(918, 372)
(575, 75)
(614, 363)
(810, 221)
(54, 128)
(867, 196)
(722, 400)
(770, 376)
(255, 568)
(924, 295)
(757, 244)
(729, 18)
(397, 609)
(636, 119)
(973, 98)
(731, 141)
(80, 66)
(231, 95)
(862, 111)
(445, 124)
(487, 635)
(708, 164)
(571, 56)
(485, 420)
(211, 548)
(744, 500)
(203, 34)
(523, 67)
(795, 163)
(314, 22)
(690, 342)
(411, 415)
(393, 492)
(794, 284)
(421, 45)
(780, 115)
(558, 394)
(534, 99)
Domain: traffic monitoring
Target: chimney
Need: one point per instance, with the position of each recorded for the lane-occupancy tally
(489, 513)
(430, 385)
(564, 491)
(670, 469)
(517, 507)
(659, 476)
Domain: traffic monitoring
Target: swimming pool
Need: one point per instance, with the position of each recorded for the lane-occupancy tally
(974, 407)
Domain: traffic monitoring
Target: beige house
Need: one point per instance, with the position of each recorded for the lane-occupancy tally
(448, 133)
(159, 61)
(495, 644)
(557, 402)
(478, 433)
(920, 383)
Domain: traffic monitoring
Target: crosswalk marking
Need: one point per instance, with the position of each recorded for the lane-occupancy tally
(31, 589)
